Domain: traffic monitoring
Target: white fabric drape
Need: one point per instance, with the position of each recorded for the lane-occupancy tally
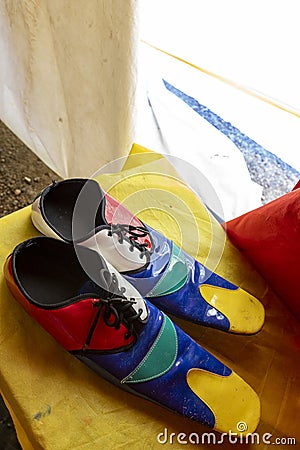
(67, 79)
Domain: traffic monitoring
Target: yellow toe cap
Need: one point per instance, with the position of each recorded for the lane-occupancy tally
(245, 313)
(235, 405)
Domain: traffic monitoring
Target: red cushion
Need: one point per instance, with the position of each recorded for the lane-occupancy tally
(270, 237)
(297, 185)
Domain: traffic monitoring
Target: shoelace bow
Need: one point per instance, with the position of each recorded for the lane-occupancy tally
(115, 305)
(131, 234)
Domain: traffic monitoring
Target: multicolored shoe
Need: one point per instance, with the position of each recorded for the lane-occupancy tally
(106, 324)
(77, 210)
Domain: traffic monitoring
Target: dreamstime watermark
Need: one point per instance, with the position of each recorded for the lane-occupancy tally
(233, 438)
(212, 438)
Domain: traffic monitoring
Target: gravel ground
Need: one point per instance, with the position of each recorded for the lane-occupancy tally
(22, 174)
(8, 439)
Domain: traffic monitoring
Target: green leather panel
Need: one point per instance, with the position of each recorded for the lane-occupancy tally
(160, 358)
(175, 276)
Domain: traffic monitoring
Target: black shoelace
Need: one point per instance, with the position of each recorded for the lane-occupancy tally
(115, 305)
(131, 234)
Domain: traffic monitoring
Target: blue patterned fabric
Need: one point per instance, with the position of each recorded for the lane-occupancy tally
(266, 169)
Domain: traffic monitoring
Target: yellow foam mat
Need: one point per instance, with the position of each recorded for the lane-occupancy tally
(59, 404)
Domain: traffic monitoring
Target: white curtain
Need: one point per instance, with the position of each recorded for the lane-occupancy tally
(67, 79)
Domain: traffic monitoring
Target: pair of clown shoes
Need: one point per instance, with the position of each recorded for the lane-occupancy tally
(101, 282)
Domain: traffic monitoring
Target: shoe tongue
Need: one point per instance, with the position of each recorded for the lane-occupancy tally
(90, 287)
(94, 290)
(103, 279)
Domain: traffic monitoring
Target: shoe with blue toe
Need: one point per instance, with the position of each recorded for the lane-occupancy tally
(103, 321)
(77, 210)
